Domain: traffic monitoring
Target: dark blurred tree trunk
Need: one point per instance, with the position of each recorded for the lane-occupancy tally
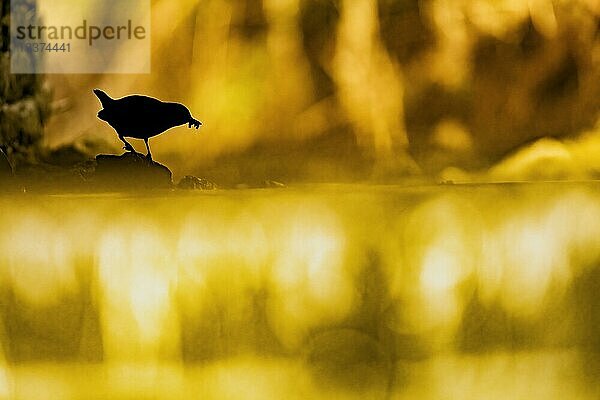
(24, 100)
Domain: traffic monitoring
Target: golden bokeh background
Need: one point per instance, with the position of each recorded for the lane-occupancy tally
(330, 90)
(356, 280)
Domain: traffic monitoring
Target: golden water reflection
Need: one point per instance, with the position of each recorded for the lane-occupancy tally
(344, 291)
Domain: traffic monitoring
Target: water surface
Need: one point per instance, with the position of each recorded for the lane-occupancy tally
(351, 291)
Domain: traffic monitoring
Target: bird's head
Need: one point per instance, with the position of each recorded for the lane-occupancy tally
(183, 116)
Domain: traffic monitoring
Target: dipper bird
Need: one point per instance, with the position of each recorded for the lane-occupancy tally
(142, 117)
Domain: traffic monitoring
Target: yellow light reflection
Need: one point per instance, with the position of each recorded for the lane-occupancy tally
(440, 270)
(32, 240)
(308, 275)
(226, 290)
(136, 275)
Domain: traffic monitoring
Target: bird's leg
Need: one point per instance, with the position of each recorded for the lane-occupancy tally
(127, 146)
(149, 155)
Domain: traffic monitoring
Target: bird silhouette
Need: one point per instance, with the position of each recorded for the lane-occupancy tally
(142, 117)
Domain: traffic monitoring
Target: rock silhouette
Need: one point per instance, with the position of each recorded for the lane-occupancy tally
(106, 172)
(190, 182)
(142, 117)
(130, 170)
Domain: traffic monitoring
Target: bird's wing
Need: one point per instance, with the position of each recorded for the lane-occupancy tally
(138, 113)
(139, 104)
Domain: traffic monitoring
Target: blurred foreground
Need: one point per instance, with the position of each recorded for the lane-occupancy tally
(461, 292)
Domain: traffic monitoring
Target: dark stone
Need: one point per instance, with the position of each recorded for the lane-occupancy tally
(266, 184)
(190, 182)
(129, 171)
(273, 184)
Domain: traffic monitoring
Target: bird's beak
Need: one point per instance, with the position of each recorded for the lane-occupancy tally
(195, 123)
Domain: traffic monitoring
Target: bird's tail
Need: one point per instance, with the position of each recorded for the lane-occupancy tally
(103, 97)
